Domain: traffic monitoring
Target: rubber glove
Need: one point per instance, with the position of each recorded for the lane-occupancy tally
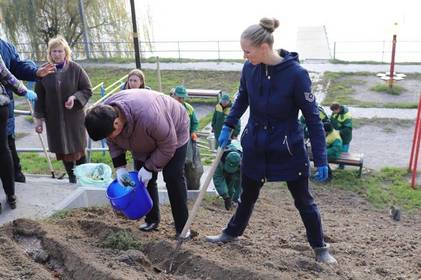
(123, 177)
(144, 176)
(31, 95)
(322, 173)
(224, 137)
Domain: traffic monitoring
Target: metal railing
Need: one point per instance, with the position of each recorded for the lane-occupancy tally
(218, 49)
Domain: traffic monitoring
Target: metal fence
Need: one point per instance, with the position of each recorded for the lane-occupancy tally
(218, 50)
(169, 49)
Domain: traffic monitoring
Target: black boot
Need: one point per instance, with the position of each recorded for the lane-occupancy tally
(11, 200)
(68, 165)
(228, 203)
(0, 208)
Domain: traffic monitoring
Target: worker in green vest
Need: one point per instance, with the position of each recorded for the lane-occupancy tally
(341, 120)
(180, 93)
(227, 174)
(333, 144)
(323, 117)
(222, 110)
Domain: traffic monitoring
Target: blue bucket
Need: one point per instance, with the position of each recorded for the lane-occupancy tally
(134, 202)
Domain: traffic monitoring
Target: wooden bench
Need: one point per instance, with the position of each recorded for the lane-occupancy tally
(353, 159)
(204, 93)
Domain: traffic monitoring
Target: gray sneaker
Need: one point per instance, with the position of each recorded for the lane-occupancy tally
(323, 255)
(221, 238)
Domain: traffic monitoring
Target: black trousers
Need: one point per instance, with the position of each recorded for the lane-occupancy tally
(14, 153)
(303, 201)
(175, 183)
(7, 173)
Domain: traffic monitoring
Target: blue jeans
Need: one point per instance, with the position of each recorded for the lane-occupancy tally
(303, 201)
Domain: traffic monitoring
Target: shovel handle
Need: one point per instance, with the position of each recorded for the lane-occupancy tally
(202, 193)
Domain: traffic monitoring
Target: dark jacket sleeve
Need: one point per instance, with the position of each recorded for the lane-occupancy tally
(39, 109)
(84, 92)
(306, 102)
(23, 70)
(240, 104)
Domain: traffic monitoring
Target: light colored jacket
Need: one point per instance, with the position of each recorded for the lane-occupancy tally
(156, 125)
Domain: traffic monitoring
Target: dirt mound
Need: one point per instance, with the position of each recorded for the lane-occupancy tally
(95, 244)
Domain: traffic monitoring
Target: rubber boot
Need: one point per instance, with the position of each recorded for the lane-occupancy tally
(68, 165)
(322, 255)
(221, 238)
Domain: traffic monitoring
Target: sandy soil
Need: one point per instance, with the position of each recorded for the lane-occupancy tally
(367, 243)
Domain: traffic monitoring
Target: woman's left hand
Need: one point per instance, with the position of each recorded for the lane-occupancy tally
(70, 102)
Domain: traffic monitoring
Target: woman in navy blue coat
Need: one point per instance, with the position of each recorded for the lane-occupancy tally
(276, 87)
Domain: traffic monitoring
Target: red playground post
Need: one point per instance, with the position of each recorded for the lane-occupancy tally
(413, 161)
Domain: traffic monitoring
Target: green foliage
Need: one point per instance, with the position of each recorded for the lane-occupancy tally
(121, 240)
(394, 90)
(387, 187)
(41, 20)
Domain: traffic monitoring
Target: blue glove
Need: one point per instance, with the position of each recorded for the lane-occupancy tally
(224, 137)
(31, 95)
(322, 173)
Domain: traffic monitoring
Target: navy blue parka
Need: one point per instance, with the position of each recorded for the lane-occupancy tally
(22, 69)
(273, 141)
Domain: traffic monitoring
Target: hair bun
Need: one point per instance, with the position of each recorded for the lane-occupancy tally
(269, 24)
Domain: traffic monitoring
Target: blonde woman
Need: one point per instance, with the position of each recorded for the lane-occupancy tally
(61, 98)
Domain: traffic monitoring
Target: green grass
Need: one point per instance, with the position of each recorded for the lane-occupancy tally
(36, 163)
(121, 240)
(384, 188)
(394, 90)
(61, 214)
(19, 135)
(387, 124)
(226, 81)
(341, 90)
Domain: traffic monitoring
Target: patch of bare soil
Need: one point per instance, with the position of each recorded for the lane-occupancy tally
(366, 241)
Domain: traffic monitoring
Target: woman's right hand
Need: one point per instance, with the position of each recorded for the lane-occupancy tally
(38, 126)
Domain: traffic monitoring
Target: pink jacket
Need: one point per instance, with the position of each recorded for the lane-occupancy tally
(156, 126)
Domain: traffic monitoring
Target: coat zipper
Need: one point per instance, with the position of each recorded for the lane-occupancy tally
(286, 143)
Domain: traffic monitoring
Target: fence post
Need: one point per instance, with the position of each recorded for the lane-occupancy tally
(102, 93)
(219, 53)
(383, 51)
(179, 51)
(158, 73)
(334, 50)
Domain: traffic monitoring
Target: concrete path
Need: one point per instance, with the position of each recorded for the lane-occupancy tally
(35, 198)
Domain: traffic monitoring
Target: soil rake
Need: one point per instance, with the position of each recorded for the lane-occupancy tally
(196, 205)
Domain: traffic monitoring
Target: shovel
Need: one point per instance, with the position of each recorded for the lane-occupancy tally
(50, 166)
(196, 205)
